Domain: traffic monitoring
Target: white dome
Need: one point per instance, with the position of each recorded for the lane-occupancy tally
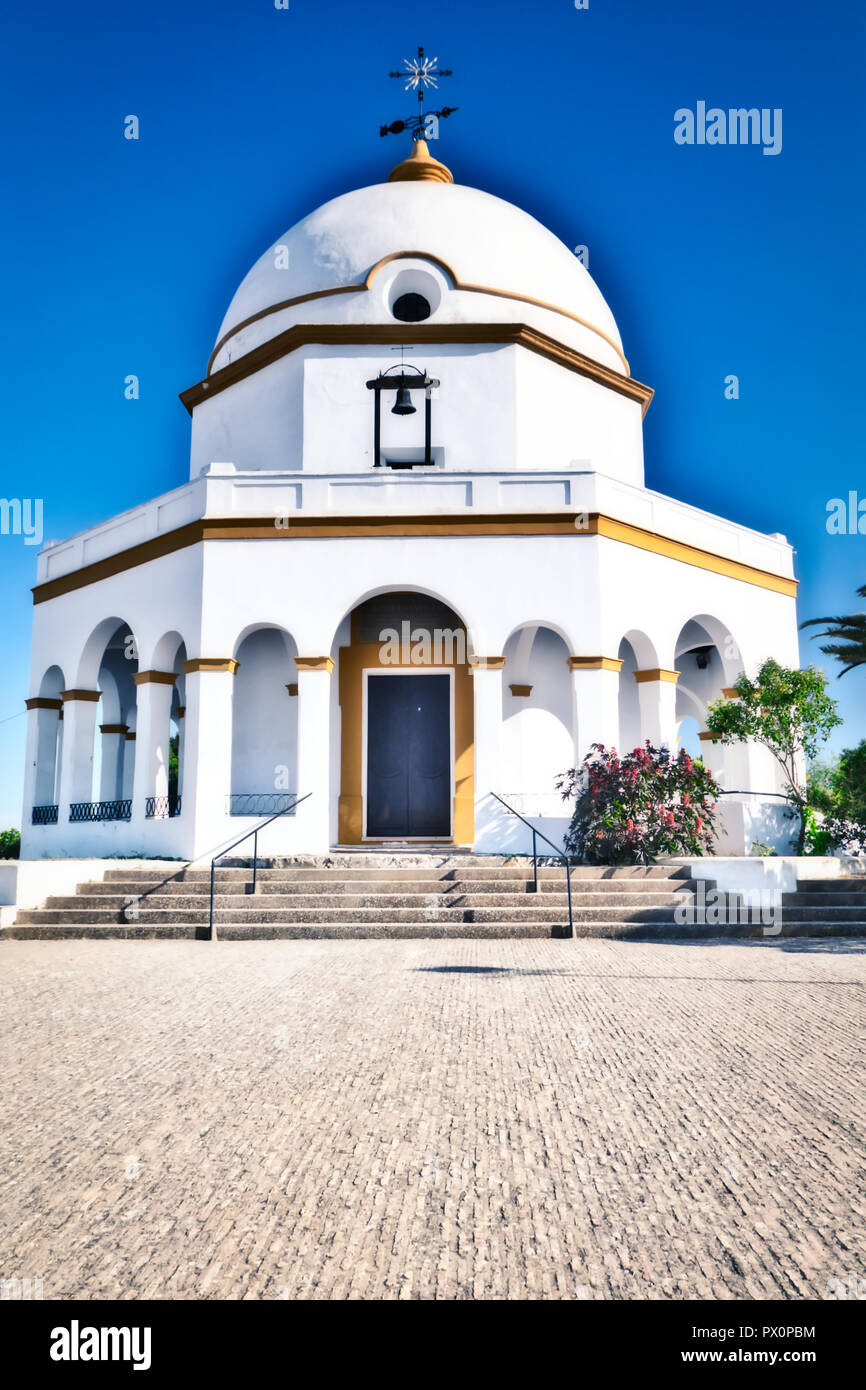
(489, 262)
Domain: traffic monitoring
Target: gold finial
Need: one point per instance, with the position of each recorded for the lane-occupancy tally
(420, 166)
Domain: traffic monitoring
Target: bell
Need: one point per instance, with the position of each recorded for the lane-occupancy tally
(403, 404)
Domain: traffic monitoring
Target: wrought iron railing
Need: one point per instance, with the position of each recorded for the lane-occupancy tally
(563, 859)
(100, 810)
(43, 815)
(255, 835)
(161, 807)
(260, 803)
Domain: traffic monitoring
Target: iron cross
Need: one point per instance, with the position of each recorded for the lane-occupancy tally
(421, 73)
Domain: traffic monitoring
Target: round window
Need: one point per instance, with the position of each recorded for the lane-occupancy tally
(411, 308)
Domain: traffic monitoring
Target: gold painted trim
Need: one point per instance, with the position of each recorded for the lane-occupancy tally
(594, 663)
(114, 728)
(155, 677)
(486, 663)
(180, 712)
(365, 335)
(315, 663)
(691, 555)
(458, 284)
(707, 737)
(91, 696)
(130, 738)
(43, 702)
(520, 689)
(730, 693)
(211, 663)
(658, 673)
(326, 528)
(292, 688)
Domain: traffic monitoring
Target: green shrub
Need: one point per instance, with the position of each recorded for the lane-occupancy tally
(10, 844)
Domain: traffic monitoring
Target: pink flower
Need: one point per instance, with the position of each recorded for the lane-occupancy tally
(686, 799)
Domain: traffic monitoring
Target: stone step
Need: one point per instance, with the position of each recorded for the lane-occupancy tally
(256, 913)
(354, 886)
(579, 873)
(846, 883)
(329, 930)
(810, 899)
(445, 902)
(824, 912)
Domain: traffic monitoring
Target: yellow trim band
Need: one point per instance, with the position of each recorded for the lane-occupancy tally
(415, 256)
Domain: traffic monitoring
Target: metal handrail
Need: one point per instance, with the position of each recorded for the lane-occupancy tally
(255, 834)
(741, 791)
(558, 852)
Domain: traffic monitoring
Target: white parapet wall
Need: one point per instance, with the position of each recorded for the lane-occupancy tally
(28, 882)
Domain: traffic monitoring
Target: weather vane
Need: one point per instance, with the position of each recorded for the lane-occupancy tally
(420, 74)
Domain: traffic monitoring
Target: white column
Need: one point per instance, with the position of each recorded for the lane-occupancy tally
(712, 754)
(128, 769)
(40, 773)
(79, 726)
(152, 729)
(58, 760)
(208, 747)
(595, 686)
(657, 695)
(487, 737)
(314, 753)
(113, 749)
(493, 825)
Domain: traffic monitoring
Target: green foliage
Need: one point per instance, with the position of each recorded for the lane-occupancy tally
(838, 788)
(173, 748)
(786, 710)
(10, 844)
(636, 808)
(848, 633)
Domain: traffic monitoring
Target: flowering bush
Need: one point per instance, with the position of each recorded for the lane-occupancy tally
(635, 808)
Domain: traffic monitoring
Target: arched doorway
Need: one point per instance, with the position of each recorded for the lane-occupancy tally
(405, 693)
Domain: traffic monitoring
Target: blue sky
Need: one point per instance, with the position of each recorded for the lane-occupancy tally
(121, 257)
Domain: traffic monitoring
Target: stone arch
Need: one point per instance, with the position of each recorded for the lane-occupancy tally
(537, 741)
(264, 771)
(93, 651)
(165, 651)
(53, 682)
(704, 630)
(100, 753)
(341, 627)
(708, 660)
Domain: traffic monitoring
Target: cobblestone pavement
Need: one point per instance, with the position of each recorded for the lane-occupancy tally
(434, 1119)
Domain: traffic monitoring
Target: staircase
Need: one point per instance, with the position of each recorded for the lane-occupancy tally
(415, 894)
(826, 907)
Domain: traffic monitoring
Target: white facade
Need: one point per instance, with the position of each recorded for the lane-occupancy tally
(228, 613)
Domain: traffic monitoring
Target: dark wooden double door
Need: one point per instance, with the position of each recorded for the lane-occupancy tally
(409, 782)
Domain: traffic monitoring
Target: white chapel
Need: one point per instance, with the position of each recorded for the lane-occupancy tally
(415, 566)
